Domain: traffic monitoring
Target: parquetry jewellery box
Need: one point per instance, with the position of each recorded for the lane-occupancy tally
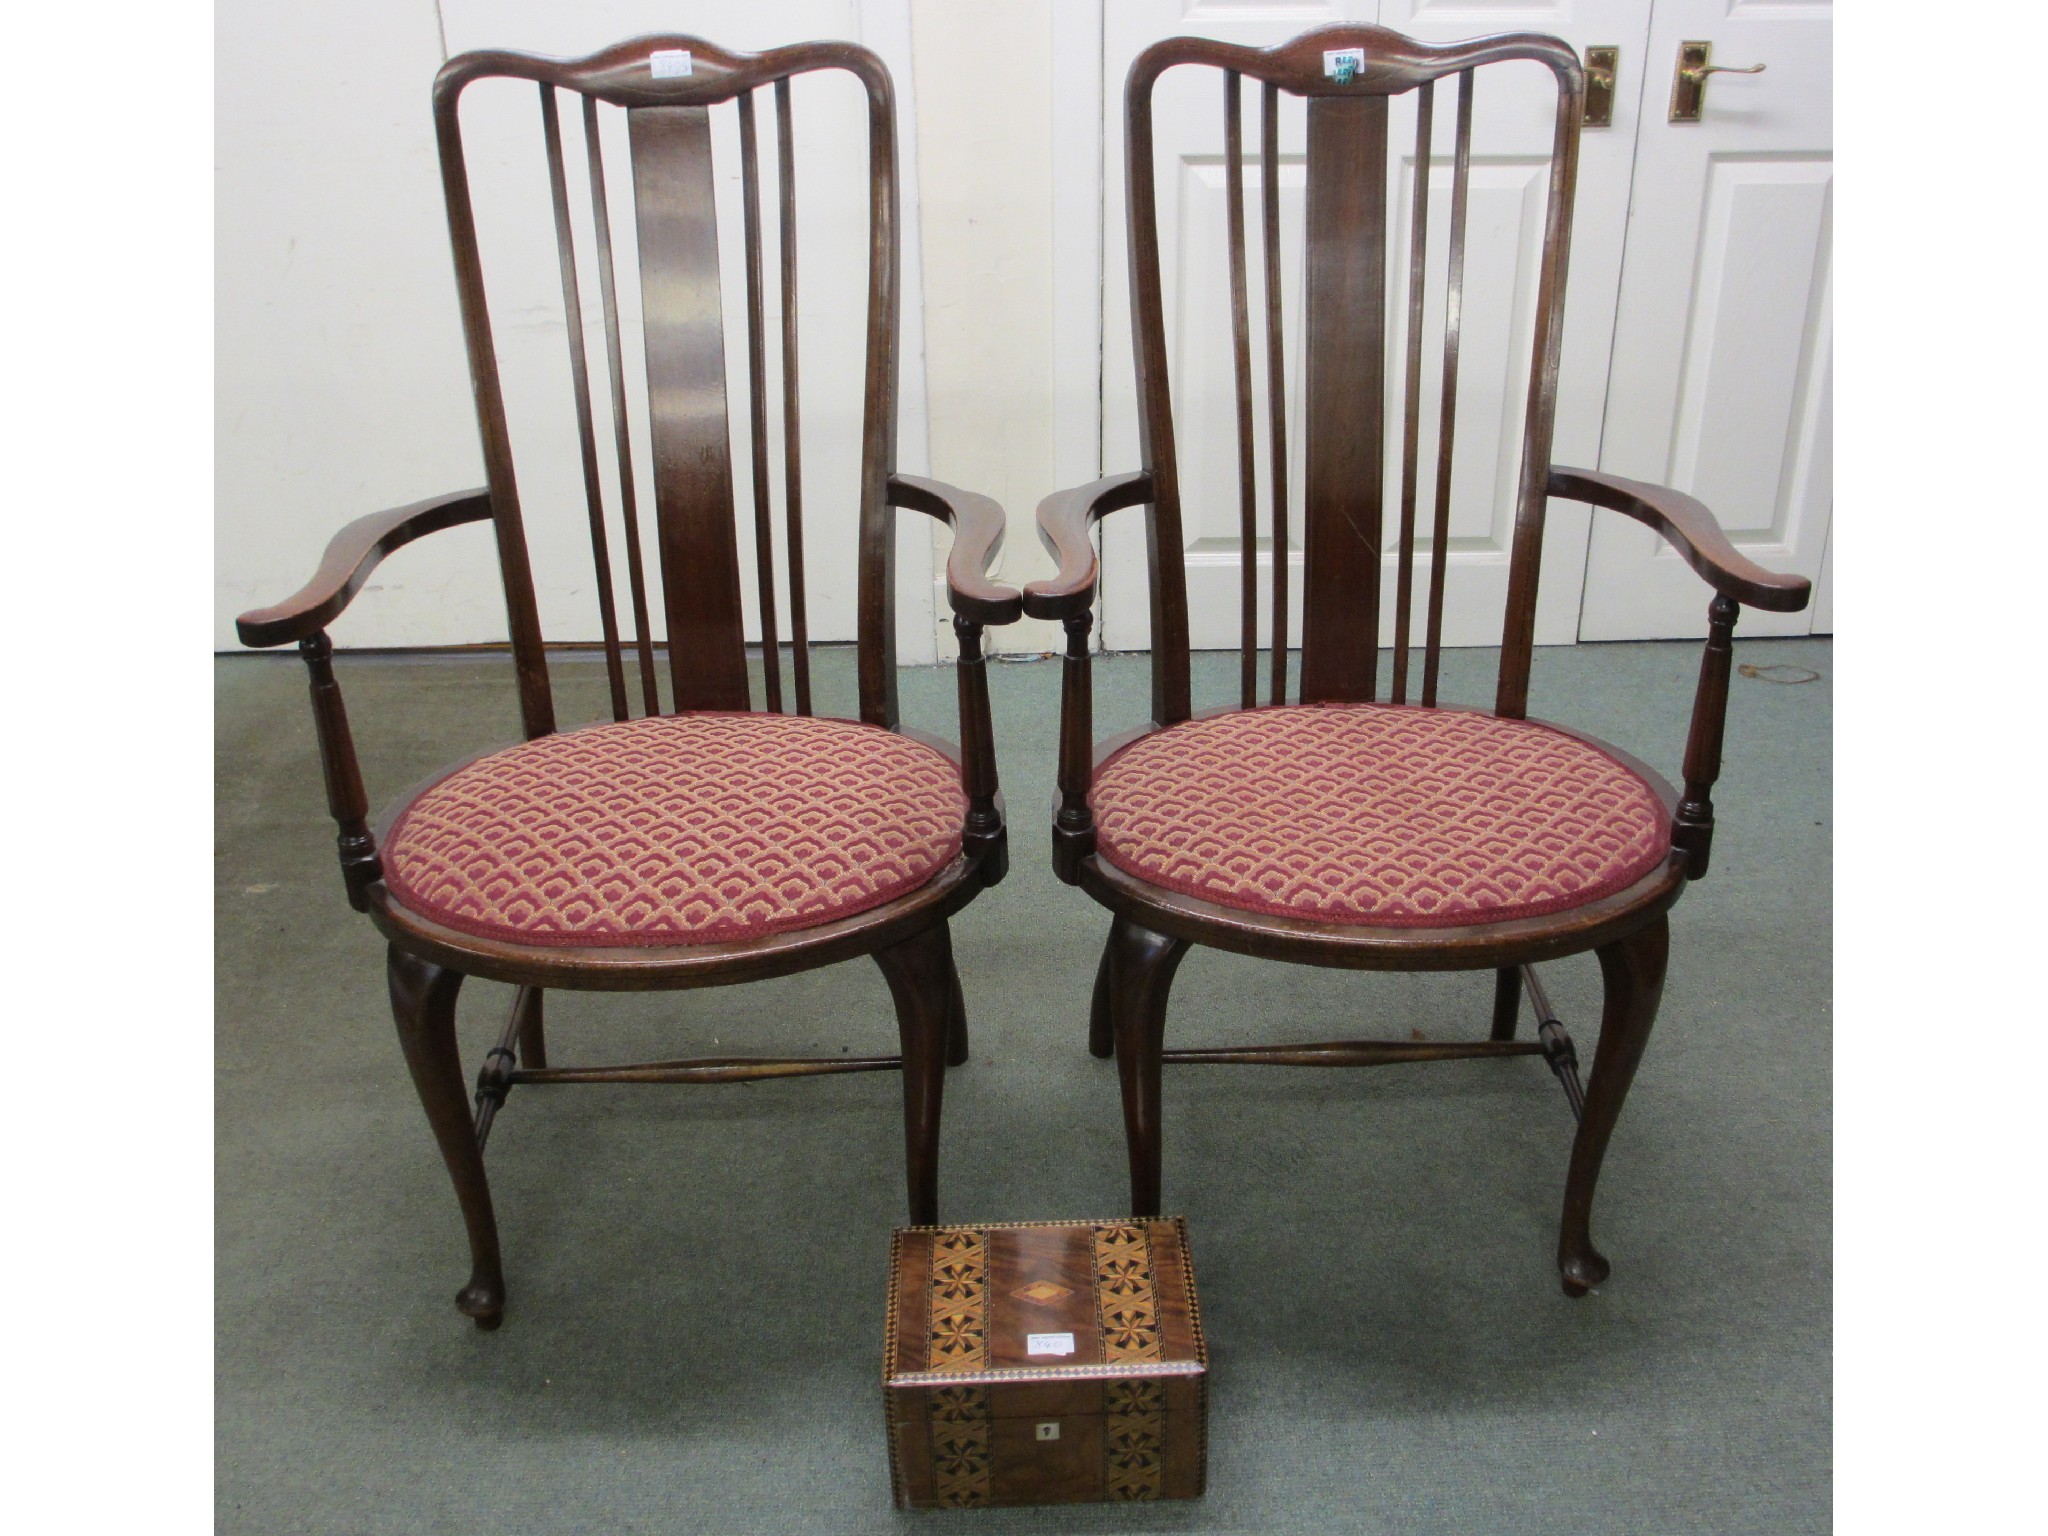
(1045, 1363)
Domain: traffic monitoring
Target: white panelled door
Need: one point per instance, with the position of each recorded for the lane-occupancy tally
(1511, 139)
(1722, 371)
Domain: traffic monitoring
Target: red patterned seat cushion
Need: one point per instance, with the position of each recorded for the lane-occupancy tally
(679, 829)
(1378, 815)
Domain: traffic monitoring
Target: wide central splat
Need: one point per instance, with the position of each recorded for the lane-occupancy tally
(685, 339)
(1346, 308)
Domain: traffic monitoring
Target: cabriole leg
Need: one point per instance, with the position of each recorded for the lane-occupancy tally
(1142, 966)
(533, 1038)
(1507, 1001)
(423, 1004)
(956, 1018)
(1633, 969)
(919, 972)
(1101, 1031)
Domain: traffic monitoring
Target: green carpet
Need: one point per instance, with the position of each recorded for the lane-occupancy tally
(693, 1339)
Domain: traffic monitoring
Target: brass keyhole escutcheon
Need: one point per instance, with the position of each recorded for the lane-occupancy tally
(1689, 85)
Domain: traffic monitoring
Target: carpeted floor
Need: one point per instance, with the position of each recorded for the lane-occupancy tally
(693, 1336)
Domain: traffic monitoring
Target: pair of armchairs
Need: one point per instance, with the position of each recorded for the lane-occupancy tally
(708, 842)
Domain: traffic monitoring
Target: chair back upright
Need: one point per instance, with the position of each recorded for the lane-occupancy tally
(1347, 75)
(668, 88)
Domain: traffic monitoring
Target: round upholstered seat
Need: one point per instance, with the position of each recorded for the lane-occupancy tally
(1379, 815)
(679, 829)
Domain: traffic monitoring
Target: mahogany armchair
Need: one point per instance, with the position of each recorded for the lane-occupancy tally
(1340, 829)
(707, 842)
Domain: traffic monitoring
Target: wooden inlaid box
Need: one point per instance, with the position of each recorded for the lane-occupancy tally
(1045, 1363)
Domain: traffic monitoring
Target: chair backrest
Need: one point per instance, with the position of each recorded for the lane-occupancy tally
(668, 88)
(1346, 295)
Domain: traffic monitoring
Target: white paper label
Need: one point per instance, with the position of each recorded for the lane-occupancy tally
(1343, 64)
(1050, 1430)
(1049, 1343)
(669, 63)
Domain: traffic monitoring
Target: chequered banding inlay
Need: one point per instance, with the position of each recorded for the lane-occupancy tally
(1134, 1455)
(1124, 1294)
(1147, 1394)
(959, 1292)
(1134, 1424)
(677, 829)
(963, 1453)
(1376, 814)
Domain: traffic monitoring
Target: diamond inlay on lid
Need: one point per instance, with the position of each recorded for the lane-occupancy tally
(1042, 1293)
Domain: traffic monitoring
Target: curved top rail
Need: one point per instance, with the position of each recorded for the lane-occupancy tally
(624, 76)
(1393, 62)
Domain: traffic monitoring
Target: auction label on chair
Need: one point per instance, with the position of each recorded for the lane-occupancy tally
(1048, 1343)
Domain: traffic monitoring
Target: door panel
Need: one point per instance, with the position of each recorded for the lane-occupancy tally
(1723, 373)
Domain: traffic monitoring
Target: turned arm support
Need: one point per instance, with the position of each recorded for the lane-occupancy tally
(1691, 529)
(303, 617)
(1064, 521)
(977, 524)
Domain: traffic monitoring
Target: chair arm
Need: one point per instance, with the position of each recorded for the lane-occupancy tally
(977, 523)
(351, 555)
(1691, 530)
(1064, 519)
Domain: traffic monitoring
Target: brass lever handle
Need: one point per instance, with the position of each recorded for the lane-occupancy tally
(1601, 66)
(1689, 86)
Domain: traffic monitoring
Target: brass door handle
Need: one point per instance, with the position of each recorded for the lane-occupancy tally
(1689, 85)
(1601, 66)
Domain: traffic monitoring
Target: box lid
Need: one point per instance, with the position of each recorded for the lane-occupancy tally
(1042, 1301)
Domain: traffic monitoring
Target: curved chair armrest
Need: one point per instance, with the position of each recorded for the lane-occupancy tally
(351, 555)
(1691, 530)
(977, 522)
(1064, 519)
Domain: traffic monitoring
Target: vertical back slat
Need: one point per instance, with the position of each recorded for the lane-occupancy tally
(522, 613)
(876, 598)
(1276, 377)
(1346, 320)
(1165, 556)
(1454, 299)
(622, 437)
(1525, 560)
(792, 467)
(757, 404)
(1241, 359)
(1411, 425)
(579, 374)
(692, 444)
